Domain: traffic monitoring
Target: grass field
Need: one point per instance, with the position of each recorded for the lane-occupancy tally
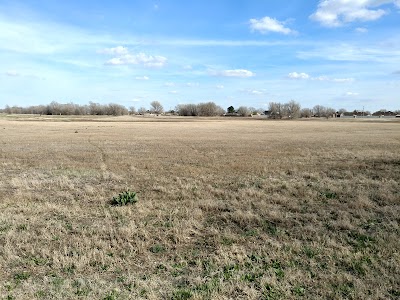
(227, 208)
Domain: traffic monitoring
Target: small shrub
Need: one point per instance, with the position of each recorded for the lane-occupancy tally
(157, 248)
(124, 198)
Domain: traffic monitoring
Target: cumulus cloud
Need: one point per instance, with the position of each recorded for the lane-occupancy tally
(240, 73)
(305, 76)
(124, 57)
(334, 13)
(267, 24)
(295, 75)
(219, 86)
(142, 78)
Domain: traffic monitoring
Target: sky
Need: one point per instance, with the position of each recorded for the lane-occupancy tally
(335, 53)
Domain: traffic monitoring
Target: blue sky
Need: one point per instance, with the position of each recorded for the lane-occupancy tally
(337, 53)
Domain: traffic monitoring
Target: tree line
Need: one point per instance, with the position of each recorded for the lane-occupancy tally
(276, 110)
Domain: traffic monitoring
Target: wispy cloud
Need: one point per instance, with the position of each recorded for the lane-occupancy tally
(12, 73)
(295, 75)
(254, 92)
(124, 57)
(349, 52)
(218, 43)
(239, 73)
(305, 76)
(192, 84)
(267, 24)
(119, 50)
(351, 94)
(361, 30)
(334, 13)
(142, 78)
(219, 86)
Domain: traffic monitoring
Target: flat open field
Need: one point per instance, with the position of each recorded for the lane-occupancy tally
(227, 209)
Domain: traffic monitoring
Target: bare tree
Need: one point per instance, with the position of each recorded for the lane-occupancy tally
(132, 110)
(187, 110)
(142, 110)
(156, 107)
(306, 113)
(329, 112)
(292, 109)
(275, 110)
(244, 111)
(319, 111)
(209, 109)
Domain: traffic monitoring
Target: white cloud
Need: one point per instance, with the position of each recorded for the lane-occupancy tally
(343, 80)
(192, 84)
(241, 73)
(350, 94)
(361, 30)
(124, 57)
(119, 50)
(219, 86)
(187, 67)
(295, 75)
(268, 24)
(169, 84)
(334, 13)
(142, 78)
(173, 92)
(12, 73)
(305, 76)
(138, 59)
(256, 92)
(348, 52)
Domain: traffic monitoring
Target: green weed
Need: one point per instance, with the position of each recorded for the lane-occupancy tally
(124, 198)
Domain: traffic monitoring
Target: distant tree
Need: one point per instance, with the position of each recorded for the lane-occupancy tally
(187, 110)
(230, 109)
(209, 109)
(142, 110)
(7, 109)
(244, 111)
(319, 111)
(306, 113)
(132, 110)
(156, 107)
(291, 109)
(275, 110)
(342, 111)
(329, 112)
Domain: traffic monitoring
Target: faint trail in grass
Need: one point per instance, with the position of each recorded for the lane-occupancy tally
(103, 155)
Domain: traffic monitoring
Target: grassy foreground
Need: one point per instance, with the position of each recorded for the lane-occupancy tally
(227, 209)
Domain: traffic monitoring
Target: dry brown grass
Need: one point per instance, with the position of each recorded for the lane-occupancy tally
(228, 209)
